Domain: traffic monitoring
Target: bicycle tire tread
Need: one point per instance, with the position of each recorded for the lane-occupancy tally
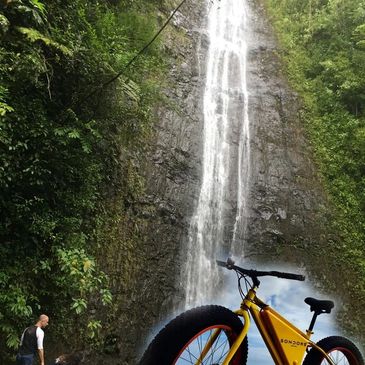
(314, 357)
(165, 346)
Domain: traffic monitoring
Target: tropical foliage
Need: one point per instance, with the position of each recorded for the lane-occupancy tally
(323, 49)
(66, 144)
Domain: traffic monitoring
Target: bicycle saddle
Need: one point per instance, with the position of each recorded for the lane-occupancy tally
(319, 306)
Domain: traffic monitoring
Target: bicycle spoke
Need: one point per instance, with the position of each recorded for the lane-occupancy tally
(215, 354)
(191, 355)
(222, 346)
(338, 357)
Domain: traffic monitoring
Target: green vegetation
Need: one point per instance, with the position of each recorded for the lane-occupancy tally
(64, 153)
(323, 49)
(71, 150)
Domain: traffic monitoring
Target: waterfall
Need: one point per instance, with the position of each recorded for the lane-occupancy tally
(220, 215)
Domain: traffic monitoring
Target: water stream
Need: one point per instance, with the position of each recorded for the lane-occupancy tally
(219, 219)
(218, 225)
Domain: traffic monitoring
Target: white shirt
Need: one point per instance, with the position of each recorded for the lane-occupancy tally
(40, 336)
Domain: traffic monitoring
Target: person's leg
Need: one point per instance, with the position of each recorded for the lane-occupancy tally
(18, 360)
(24, 359)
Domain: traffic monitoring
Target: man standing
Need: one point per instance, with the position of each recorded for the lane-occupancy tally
(31, 342)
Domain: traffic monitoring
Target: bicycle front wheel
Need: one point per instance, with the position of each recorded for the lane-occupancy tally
(341, 351)
(204, 333)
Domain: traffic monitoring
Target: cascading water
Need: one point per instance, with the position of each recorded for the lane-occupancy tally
(220, 215)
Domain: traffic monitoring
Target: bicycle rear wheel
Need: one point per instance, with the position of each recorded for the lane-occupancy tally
(341, 351)
(182, 341)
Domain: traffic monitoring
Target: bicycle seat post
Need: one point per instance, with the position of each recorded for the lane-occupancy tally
(313, 321)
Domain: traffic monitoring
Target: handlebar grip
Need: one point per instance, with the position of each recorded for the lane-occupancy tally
(229, 264)
(221, 263)
(284, 275)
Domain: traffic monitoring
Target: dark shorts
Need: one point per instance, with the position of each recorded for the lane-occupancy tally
(24, 359)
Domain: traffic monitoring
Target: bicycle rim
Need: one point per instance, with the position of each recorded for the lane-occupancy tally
(216, 353)
(341, 356)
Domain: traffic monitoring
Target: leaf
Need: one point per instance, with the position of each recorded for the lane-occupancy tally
(93, 326)
(131, 89)
(79, 305)
(361, 44)
(60, 131)
(74, 134)
(4, 24)
(106, 296)
(12, 340)
(40, 6)
(5, 108)
(87, 265)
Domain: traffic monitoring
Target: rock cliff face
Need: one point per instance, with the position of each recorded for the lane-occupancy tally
(290, 215)
(287, 202)
(285, 196)
(171, 170)
(287, 206)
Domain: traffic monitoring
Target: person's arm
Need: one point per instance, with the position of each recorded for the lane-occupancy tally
(40, 336)
(41, 356)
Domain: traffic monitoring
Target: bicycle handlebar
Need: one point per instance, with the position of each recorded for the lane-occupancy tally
(255, 273)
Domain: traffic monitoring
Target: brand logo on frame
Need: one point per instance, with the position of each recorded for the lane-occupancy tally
(292, 342)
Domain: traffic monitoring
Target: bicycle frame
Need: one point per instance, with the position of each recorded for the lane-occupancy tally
(286, 343)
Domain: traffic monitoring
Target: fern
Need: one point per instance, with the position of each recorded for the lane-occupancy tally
(40, 6)
(34, 35)
(130, 88)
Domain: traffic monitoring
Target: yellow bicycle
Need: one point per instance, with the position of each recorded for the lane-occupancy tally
(215, 335)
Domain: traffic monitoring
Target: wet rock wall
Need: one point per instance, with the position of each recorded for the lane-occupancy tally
(288, 215)
(287, 199)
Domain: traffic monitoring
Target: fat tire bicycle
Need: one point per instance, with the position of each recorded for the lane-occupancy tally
(214, 335)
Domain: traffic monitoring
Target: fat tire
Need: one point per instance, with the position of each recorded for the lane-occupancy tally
(328, 344)
(169, 342)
